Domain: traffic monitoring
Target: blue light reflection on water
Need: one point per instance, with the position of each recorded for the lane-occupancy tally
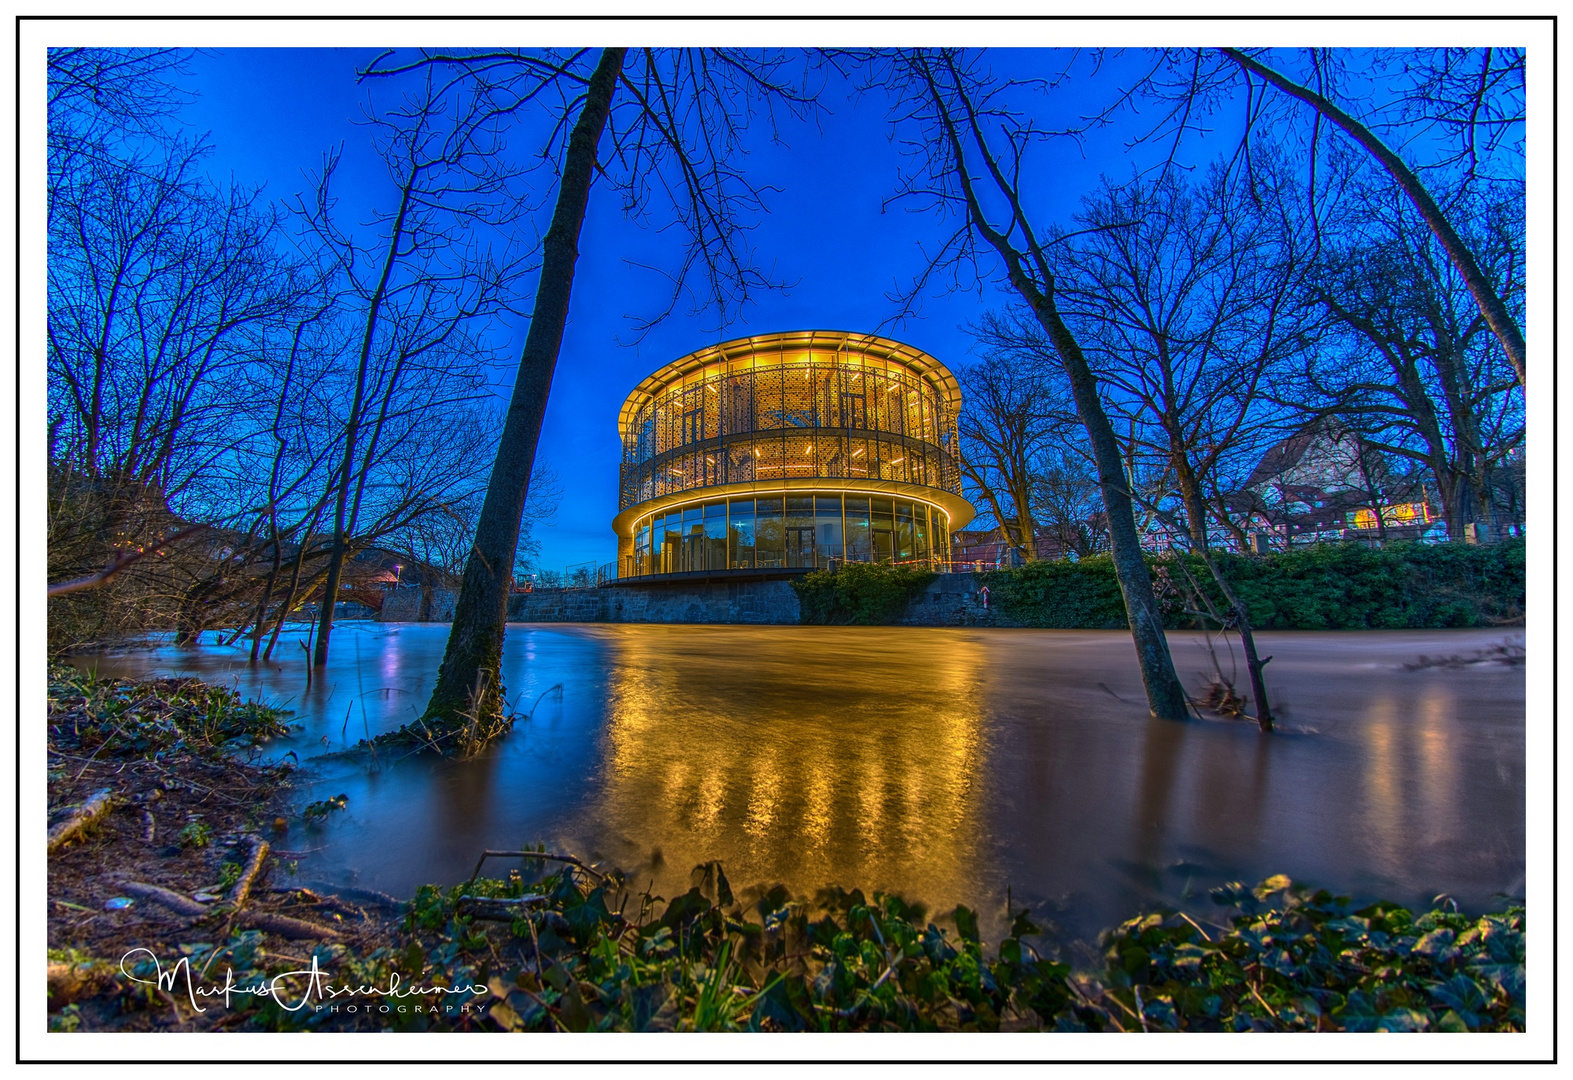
(944, 764)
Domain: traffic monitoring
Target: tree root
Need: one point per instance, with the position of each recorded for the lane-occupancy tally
(284, 926)
(99, 804)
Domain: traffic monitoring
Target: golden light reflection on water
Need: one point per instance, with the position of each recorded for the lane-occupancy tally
(853, 773)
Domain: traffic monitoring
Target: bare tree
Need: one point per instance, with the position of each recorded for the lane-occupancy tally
(675, 120)
(1492, 82)
(1410, 369)
(1190, 298)
(1065, 500)
(962, 166)
(1445, 113)
(1004, 427)
(421, 296)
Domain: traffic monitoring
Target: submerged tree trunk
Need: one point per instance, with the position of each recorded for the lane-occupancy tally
(469, 681)
(1165, 695)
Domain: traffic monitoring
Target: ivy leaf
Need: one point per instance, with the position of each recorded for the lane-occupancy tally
(1464, 997)
(1359, 1012)
(1351, 928)
(1275, 884)
(1438, 945)
(1509, 978)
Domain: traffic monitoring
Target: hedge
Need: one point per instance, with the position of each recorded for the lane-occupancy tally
(1321, 587)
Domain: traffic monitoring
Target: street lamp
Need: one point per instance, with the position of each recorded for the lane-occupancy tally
(397, 570)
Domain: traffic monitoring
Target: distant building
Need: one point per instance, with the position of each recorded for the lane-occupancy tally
(1327, 483)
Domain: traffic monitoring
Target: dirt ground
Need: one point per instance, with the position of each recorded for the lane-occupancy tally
(188, 819)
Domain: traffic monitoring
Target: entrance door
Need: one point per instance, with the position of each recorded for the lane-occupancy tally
(800, 545)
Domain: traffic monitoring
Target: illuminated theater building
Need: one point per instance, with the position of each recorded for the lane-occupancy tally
(788, 452)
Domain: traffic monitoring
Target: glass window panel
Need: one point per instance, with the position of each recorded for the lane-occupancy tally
(693, 544)
(741, 534)
(920, 532)
(769, 538)
(941, 535)
(672, 544)
(798, 397)
(827, 530)
(882, 529)
(799, 456)
(832, 456)
(769, 462)
(715, 537)
(859, 543)
(799, 532)
(904, 542)
(767, 399)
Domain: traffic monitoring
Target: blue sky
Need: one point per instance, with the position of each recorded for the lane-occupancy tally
(271, 113)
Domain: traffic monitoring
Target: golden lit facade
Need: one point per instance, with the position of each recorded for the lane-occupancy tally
(790, 452)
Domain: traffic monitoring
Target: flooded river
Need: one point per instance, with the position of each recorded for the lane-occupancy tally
(945, 764)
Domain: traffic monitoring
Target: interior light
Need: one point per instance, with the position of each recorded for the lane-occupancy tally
(859, 451)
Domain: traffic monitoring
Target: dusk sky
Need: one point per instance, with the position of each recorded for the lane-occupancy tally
(271, 113)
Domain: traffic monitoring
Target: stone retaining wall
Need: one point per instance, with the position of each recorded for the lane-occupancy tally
(951, 600)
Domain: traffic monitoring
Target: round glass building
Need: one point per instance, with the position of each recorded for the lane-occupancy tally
(789, 452)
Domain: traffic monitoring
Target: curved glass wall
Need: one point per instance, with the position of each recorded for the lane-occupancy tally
(825, 446)
(793, 531)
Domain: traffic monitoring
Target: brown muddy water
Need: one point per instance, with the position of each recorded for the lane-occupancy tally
(949, 765)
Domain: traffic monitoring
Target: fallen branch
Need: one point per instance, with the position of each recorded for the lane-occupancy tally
(99, 804)
(240, 892)
(181, 905)
(284, 926)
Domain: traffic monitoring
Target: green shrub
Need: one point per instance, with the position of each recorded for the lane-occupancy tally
(859, 594)
(1058, 594)
(1320, 587)
(1400, 586)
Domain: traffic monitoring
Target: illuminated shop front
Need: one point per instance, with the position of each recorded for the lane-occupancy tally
(788, 452)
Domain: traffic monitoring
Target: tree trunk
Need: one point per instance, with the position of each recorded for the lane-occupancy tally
(1492, 309)
(472, 663)
(1165, 696)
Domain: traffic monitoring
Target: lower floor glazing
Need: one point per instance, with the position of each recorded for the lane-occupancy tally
(799, 531)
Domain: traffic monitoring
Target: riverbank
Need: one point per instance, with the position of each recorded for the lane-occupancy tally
(1343, 586)
(184, 874)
